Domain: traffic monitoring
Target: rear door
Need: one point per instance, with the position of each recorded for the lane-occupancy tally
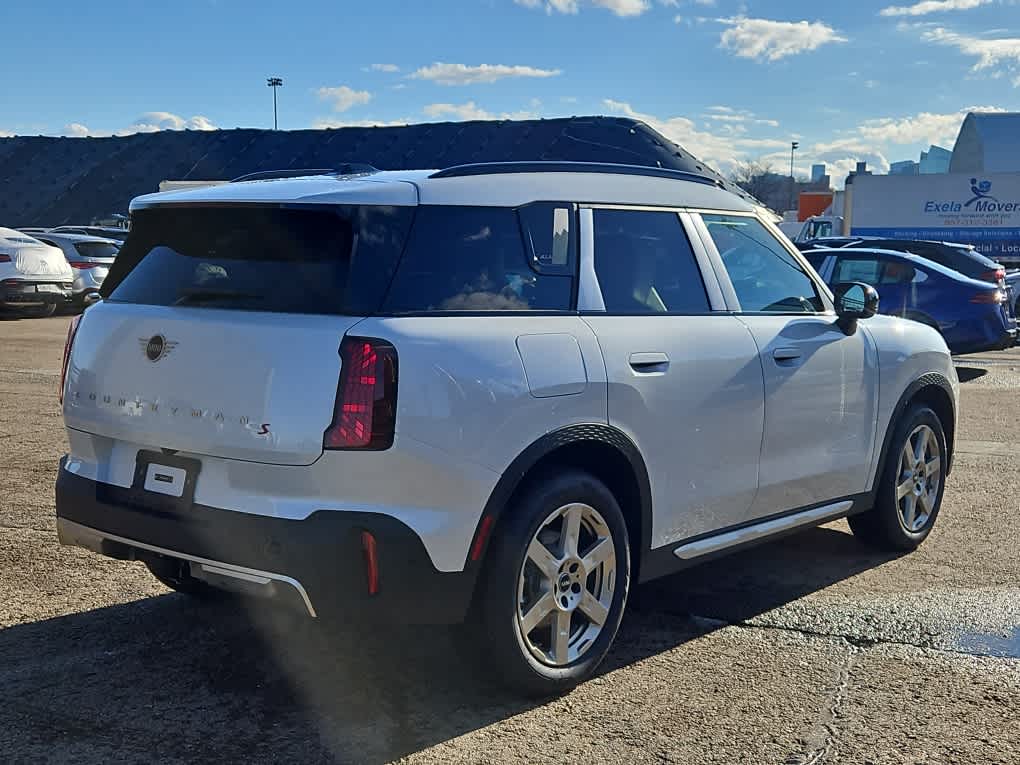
(220, 328)
(685, 382)
(821, 385)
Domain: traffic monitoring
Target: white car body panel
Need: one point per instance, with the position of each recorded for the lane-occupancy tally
(725, 440)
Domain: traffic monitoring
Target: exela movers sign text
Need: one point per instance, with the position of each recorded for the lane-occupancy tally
(983, 211)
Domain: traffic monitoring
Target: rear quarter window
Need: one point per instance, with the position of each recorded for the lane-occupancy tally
(467, 259)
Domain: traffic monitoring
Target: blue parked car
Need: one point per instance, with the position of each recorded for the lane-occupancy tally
(971, 314)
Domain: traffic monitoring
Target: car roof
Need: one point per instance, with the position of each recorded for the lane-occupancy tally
(501, 186)
(69, 236)
(907, 256)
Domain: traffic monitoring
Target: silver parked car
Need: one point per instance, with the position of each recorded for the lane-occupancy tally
(501, 394)
(90, 258)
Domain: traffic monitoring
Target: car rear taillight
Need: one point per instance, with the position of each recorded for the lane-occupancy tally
(994, 276)
(365, 413)
(989, 297)
(82, 264)
(5, 258)
(72, 330)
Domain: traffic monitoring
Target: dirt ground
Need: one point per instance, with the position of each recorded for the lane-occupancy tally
(808, 650)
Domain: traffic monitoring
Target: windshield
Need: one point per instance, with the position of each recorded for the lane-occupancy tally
(96, 249)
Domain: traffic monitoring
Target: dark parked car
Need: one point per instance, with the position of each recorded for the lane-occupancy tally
(972, 315)
(959, 257)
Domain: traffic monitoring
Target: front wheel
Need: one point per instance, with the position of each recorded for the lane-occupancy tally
(910, 488)
(555, 585)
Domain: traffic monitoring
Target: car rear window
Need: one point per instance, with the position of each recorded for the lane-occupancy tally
(474, 259)
(96, 249)
(335, 260)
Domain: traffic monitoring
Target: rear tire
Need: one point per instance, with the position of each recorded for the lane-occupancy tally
(554, 586)
(39, 311)
(910, 486)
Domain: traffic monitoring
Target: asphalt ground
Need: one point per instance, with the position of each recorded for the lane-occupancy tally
(808, 650)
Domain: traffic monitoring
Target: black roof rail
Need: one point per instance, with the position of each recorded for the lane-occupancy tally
(348, 168)
(497, 168)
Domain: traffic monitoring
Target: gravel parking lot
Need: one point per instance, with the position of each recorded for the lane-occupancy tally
(812, 649)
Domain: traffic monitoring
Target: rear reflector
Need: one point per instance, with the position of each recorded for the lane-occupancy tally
(72, 330)
(365, 413)
(481, 538)
(5, 258)
(368, 547)
(82, 264)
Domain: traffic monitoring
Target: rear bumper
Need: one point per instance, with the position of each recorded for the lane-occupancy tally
(26, 293)
(317, 564)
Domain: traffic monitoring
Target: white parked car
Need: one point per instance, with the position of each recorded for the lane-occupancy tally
(90, 258)
(34, 277)
(497, 393)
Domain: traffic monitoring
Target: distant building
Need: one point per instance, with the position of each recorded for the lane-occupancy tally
(906, 167)
(817, 173)
(935, 161)
(988, 143)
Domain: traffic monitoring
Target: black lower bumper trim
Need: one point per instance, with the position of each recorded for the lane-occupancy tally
(323, 552)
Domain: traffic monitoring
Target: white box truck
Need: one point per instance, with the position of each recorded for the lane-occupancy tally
(981, 211)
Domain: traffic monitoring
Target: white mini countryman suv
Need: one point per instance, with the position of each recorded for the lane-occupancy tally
(498, 394)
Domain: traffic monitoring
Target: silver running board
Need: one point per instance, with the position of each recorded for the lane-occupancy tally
(761, 530)
(216, 573)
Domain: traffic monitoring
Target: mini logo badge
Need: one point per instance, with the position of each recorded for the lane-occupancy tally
(156, 347)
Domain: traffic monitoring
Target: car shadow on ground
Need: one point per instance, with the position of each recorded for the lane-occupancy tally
(967, 374)
(171, 680)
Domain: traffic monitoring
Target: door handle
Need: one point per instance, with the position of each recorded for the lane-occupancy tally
(786, 354)
(649, 363)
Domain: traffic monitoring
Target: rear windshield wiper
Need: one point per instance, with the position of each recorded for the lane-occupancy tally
(199, 295)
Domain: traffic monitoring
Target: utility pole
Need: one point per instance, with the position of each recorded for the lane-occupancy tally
(274, 83)
(794, 145)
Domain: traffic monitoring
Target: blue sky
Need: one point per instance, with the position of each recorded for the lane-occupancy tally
(730, 80)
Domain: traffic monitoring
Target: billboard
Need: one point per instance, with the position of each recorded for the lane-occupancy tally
(980, 210)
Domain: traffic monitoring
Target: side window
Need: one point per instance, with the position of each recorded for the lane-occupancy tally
(897, 272)
(765, 276)
(867, 270)
(474, 259)
(920, 276)
(645, 264)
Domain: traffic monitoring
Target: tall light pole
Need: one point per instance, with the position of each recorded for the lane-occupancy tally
(274, 83)
(794, 145)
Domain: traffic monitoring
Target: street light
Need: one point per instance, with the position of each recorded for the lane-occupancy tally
(794, 145)
(274, 83)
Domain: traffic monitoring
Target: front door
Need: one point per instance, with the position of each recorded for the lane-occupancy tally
(820, 383)
(685, 383)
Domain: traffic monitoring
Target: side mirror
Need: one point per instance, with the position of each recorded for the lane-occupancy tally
(854, 301)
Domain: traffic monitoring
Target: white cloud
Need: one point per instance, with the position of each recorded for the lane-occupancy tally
(75, 129)
(325, 123)
(773, 40)
(6, 134)
(726, 114)
(462, 74)
(1001, 54)
(925, 7)
(925, 127)
(471, 111)
(153, 122)
(343, 98)
(384, 68)
(718, 149)
(618, 7)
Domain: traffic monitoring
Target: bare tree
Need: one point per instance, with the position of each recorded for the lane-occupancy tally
(759, 180)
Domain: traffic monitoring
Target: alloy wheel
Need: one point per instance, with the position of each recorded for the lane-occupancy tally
(565, 585)
(919, 478)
